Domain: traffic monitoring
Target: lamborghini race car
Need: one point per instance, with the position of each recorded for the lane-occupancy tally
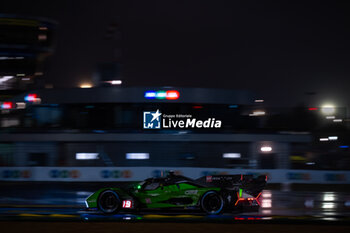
(211, 194)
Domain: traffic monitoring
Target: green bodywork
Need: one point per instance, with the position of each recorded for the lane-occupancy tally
(159, 197)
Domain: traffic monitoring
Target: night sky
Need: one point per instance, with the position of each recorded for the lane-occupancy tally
(280, 49)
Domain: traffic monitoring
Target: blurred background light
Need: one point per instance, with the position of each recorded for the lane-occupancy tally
(21, 105)
(137, 155)
(172, 95)
(161, 94)
(115, 82)
(328, 109)
(85, 85)
(86, 156)
(6, 105)
(150, 94)
(258, 113)
(231, 155)
(266, 148)
(30, 98)
(338, 120)
(5, 78)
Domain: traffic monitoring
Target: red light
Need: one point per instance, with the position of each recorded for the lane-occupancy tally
(257, 198)
(30, 98)
(172, 95)
(197, 107)
(127, 204)
(313, 109)
(248, 199)
(239, 199)
(6, 105)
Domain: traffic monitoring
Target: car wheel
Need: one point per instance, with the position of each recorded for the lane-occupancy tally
(109, 202)
(212, 203)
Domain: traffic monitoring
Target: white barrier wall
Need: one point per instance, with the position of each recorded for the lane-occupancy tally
(107, 174)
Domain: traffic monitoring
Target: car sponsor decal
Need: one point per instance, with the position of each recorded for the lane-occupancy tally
(190, 192)
(148, 200)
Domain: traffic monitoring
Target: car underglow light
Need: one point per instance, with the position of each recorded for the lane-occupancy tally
(116, 82)
(137, 155)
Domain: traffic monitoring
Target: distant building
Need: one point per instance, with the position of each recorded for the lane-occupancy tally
(106, 127)
(25, 42)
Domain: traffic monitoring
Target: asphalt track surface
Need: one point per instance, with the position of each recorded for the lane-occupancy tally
(63, 211)
(74, 227)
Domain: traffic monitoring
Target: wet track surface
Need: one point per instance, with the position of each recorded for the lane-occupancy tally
(276, 205)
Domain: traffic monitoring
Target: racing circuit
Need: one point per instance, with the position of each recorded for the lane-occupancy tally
(62, 206)
(52, 204)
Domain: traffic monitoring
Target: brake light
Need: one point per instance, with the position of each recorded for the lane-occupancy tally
(240, 198)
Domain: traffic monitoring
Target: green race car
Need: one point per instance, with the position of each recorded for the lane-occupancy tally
(211, 194)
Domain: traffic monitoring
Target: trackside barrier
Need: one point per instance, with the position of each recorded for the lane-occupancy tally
(106, 174)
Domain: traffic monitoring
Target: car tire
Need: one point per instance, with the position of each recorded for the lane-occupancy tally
(212, 203)
(109, 202)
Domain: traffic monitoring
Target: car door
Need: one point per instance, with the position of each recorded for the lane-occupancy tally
(154, 195)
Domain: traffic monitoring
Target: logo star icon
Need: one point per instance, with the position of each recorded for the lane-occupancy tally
(156, 115)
